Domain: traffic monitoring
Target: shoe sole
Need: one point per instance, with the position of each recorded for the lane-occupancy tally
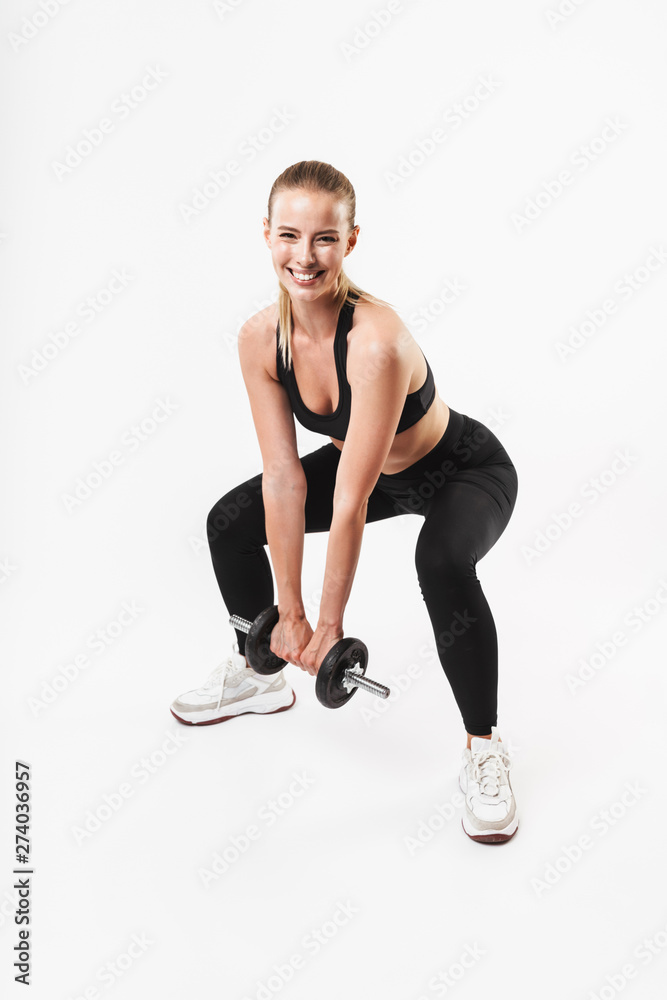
(491, 837)
(225, 718)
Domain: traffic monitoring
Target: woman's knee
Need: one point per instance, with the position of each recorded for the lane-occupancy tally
(238, 512)
(447, 563)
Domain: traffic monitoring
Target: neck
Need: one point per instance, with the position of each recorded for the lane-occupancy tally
(315, 319)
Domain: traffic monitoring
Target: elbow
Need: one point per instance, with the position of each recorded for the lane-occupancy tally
(282, 486)
(350, 506)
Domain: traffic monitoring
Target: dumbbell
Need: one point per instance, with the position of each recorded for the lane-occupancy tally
(342, 671)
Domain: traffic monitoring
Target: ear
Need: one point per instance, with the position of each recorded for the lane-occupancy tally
(352, 240)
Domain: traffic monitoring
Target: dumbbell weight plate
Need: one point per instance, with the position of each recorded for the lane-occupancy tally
(258, 641)
(329, 684)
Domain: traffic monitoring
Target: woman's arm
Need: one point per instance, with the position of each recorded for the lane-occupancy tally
(284, 504)
(285, 529)
(284, 485)
(379, 372)
(345, 537)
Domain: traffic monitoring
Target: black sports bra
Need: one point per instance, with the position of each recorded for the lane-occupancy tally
(335, 424)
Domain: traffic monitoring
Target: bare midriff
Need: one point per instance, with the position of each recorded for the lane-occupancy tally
(416, 441)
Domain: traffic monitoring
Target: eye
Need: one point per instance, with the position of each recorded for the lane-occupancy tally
(289, 236)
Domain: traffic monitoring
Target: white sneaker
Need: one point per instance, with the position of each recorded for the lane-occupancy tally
(232, 689)
(489, 813)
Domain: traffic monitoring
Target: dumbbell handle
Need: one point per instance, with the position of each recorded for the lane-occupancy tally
(353, 678)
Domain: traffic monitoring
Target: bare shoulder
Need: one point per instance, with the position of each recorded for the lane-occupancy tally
(257, 337)
(375, 324)
(379, 337)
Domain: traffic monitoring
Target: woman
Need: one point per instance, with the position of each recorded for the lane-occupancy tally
(395, 448)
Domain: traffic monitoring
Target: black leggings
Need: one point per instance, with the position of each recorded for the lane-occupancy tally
(465, 488)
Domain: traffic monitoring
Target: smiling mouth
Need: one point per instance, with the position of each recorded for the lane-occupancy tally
(307, 278)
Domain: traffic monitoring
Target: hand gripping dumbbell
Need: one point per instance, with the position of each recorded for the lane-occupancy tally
(342, 671)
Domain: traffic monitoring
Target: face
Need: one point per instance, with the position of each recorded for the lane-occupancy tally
(309, 236)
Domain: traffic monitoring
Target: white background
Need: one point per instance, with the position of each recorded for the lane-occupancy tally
(361, 97)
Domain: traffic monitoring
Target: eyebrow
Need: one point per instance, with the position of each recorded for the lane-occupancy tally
(293, 229)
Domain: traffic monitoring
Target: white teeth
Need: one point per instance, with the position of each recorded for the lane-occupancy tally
(304, 277)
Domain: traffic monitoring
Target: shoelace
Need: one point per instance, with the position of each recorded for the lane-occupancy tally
(487, 768)
(218, 677)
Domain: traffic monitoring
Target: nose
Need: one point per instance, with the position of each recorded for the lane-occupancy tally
(305, 256)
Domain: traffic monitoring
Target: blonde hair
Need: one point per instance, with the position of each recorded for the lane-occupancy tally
(313, 175)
